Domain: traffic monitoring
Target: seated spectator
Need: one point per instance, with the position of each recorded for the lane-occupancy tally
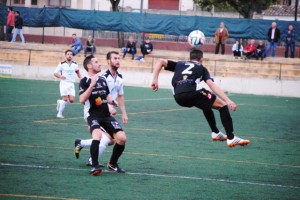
(250, 49)
(237, 49)
(260, 50)
(90, 46)
(76, 45)
(146, 47)
(130, 47)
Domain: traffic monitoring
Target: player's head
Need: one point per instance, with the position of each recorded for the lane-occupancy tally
(69, 55)
(196, 54)
(91, 64)
(113, 60)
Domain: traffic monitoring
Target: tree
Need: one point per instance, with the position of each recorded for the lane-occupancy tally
(115, 8)
(244, 7)
(2, 27)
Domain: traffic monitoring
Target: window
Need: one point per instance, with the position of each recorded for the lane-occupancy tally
(34, 2)
(19, 1)
(60, 3)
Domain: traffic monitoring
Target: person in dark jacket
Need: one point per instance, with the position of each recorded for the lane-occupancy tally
(90, 46)
(260, 50)
(18, 27)
(289, 39)
(146, 47)
(130, 47)
(273, 38)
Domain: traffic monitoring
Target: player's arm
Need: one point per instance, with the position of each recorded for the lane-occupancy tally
(121, 102)
(78, 74)
(111, 100)
(217, 90)
(57, 72)
(157, 68)
(83, 97)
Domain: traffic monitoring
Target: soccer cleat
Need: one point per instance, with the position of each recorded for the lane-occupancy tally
(237, 141)
(58, 104)
(115, 168)
(59, 115)
(218, 136)
(78, 147)
(89, 163)
(96, 170)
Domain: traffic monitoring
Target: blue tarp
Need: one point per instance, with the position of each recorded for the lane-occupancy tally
(143, 22)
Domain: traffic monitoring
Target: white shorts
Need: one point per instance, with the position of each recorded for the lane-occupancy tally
(67, 88)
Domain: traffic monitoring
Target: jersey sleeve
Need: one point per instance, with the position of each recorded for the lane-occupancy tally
(171, 66)
(83, 85)
(121, 90)
(206, 75)
(58, 68)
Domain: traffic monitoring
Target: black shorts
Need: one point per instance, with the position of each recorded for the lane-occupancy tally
(202, 99)
(110, 124)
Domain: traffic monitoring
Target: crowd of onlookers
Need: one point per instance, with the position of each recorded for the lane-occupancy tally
(259, 51)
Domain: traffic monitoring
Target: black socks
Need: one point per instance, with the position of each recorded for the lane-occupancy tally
(210, 117)
(117, 152)
(227, 122)
(94, 150)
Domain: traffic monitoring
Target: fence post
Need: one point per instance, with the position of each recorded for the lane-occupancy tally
(280, 71)
(43, 36)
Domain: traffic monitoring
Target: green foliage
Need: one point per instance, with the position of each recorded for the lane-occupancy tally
(245, 7)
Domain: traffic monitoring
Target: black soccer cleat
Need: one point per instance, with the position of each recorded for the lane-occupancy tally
(115, 168)
(78, 147)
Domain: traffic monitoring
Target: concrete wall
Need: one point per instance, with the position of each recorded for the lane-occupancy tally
(143, 79)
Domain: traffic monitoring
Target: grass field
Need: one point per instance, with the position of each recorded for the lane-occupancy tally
(169, 153)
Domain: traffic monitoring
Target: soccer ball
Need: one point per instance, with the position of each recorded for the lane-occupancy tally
(196, 38)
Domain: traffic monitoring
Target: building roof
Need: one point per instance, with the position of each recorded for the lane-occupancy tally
(281, 10)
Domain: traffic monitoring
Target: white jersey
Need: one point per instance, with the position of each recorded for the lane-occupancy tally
(67, 70)
(115, 84)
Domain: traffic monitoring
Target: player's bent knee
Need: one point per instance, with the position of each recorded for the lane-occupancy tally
(120, 137)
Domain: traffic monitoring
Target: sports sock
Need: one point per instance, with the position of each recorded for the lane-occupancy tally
(86, 143)
(227, 122)
(210, 117)
(94, 150)
(117, 152)
(62, 106)
(103, 144)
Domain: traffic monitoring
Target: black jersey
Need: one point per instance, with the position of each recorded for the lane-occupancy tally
(187, 75)
(96, 105)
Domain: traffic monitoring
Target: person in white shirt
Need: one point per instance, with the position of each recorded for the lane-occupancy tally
(237, 49)
(66, 71)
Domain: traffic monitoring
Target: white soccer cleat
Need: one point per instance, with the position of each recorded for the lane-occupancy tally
(237, 141)
(218, 136)
(58, 104)
(59, 115)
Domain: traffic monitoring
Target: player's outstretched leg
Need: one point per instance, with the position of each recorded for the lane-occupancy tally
(118, 149)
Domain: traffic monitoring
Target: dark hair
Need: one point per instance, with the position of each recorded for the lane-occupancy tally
(108, 55)
(10, 8)
(17, 12)
(68, 51)
(74, 34)
(87, 61)
(196, 54)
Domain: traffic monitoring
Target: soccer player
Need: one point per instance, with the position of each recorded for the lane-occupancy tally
(95, 96)
(66, 71)
(188, 93)
(115, 84)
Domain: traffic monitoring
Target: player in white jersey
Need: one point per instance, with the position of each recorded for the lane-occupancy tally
(115, 84)
(66, 71)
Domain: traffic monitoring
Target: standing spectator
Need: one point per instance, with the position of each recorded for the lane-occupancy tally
(146, 47)
(10, 23)
(289, 39)
(76, 44)
(260, 50)
(130, 47)
(237, 49)
(221, 35)
(250, 49)
(18, 27)
(90, 46)
(273, 37)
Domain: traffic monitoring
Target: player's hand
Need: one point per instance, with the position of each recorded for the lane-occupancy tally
(114, 103)
(154, 85)
(62, 78)
(124, 118)
(112, 111)
(231, 105)
(94, 80)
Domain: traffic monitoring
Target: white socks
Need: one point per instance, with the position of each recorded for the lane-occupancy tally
(102, 146)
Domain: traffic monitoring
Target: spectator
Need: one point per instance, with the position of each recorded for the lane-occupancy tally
(237, 49)
(260, 50)
(10, 23)
(146, 47)
(289, 39)
(130, 47)
(250, 49)
(273, 37)
(18, 27)
(90, 46)
(76, 46)
(221, 35)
